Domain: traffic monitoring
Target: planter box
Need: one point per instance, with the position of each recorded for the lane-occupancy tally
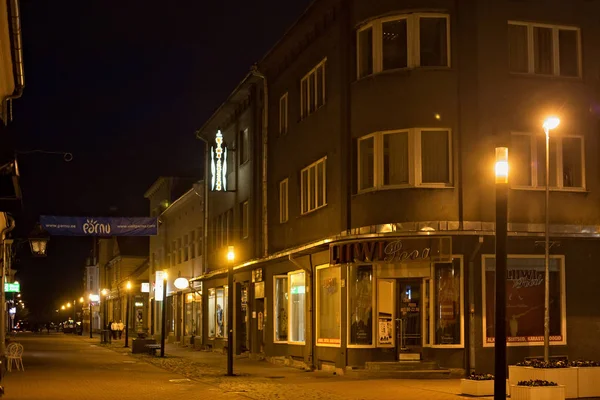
(537, 392)
(588, 381)
(567, 377)
(138, 345)
(479, 388)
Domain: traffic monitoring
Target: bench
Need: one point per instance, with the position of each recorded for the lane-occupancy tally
(152, 348)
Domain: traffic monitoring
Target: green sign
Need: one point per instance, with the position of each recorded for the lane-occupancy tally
(12, 287)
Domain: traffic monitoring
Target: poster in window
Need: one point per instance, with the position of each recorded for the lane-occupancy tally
(360, 308)
(525, 289)
(385, 330)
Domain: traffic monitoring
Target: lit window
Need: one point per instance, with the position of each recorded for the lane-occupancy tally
(405, 158)
(329, 305)
(217, 312)
(406, 41)
(528, 162)
(544, 49)
(312, 90)
(290, 307)
(313, 186)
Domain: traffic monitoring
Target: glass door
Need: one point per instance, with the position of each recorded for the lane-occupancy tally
(410, 324)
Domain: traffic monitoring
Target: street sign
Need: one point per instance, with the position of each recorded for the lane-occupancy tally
(12, 287)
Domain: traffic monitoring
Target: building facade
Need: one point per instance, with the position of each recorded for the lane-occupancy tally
(370, 233)
(177, 250)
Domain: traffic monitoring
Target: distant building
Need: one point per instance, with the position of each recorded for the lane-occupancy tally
(368, 180)
(177, 249)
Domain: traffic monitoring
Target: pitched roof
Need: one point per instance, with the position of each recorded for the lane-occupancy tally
(136, 246)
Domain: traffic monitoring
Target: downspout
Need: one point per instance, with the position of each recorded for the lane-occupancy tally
(470, 359)
(309, 307)
(17, 50)
(265, 139)
(205, 201)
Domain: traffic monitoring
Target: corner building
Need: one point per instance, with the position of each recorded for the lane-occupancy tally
(381, 124)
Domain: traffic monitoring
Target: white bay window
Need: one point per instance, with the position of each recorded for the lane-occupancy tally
(528, 162)
(405, 41)
(405, 158)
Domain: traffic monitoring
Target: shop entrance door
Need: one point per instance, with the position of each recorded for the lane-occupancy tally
(409, 341)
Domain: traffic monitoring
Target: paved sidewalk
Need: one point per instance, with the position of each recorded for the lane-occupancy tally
(263, 380)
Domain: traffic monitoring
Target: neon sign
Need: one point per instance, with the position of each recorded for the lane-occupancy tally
(218, 164)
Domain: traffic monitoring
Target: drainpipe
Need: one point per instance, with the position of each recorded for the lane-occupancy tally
(265, 138)
(10, 226)
(471, 356)
(17, 50)
(205, 227)
(309, 307)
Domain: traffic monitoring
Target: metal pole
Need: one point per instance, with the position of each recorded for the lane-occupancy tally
(163, 328)
(547, 255)
(230, 320)
(127, 323)
(91, 320)
(500, 334)
(3, 306)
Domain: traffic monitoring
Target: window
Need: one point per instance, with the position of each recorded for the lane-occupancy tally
(281, 300)
(297, 307)
(312, 90)
(211, 313)
(406, 41)
(544, 49)
(283, 201)
(245, 219)
(289, 307)
(193, 314)
(447, 304)
(313, 186)
(186, 245)
(229, 224)
(244, 147)
(405, 158)
(329, 305)
(192, 244)
(528, 160)
(283, 114)
(525, 300)
(360, 304)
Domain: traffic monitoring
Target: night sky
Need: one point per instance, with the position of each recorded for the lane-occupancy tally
(122, 85)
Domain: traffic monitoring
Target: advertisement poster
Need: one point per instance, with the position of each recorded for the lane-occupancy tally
(385, 330)
(525, 300)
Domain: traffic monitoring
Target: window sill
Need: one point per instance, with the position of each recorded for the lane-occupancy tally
(544, 76)
(297, 343)
(552, 189)
(404, 187)
(305, 117)
(406, 70)
(313, 210)
(329, 345)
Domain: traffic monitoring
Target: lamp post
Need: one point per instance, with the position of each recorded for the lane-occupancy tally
(91, 319)
(501, 239)
(549, 124)
(103, 334)
(230, 259)
(128, 286)
(163, 328)
(80, 332)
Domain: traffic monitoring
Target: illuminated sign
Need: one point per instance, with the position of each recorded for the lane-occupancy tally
(139, 304)
(218, 164)
(158, 286)
(12, 287)
(94, 297)
(145, 287)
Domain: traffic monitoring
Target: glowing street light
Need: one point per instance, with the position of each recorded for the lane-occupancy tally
(549, 124)
(230, 259)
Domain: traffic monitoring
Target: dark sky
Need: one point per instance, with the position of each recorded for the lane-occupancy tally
(122, 85)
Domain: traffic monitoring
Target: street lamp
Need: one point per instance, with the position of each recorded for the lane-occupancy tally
(230, 259)
(90, 304)
(501, 170)
(549, 124)
(38, 240)
(163, 328)
(128, 286)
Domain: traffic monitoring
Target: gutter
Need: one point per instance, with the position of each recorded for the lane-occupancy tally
(265, 149)
(17, 50)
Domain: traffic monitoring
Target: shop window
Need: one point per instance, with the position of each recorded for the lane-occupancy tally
(220, 315)
(281, 299)
(525, 288)
(189, 315)
(197, 328)
(297, 304)
(447, 304)
(360, 304)
(329, 305)
(211, 313)
(170, 304)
